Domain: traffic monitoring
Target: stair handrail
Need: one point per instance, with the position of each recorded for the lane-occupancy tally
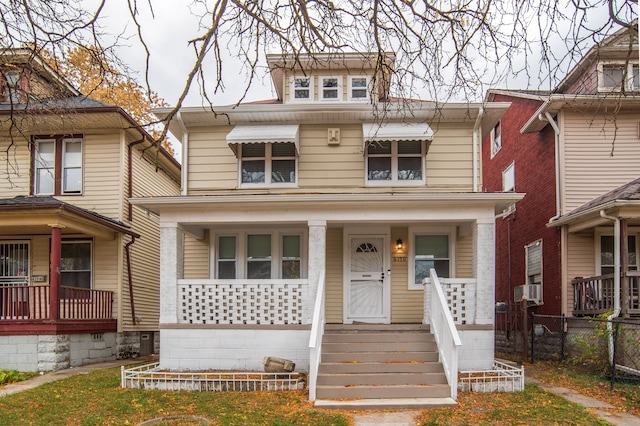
(315, 338)
(446, 335)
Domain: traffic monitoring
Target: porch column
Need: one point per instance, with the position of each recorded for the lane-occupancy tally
(54, 272)
(484, 269)
(171, 269)
(624, 276)
(317, 261)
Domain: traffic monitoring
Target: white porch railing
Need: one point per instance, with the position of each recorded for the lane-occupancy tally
(315, 339)
(445, 332)
(242, 301)
(460, 294)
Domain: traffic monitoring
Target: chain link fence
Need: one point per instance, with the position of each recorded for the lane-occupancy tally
(608, 346)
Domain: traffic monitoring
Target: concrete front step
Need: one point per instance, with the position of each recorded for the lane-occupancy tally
(377, 379)
(380, 367)
(377, 337)
(381, 346)
(382, 391)
(385, 357)
(386, 403)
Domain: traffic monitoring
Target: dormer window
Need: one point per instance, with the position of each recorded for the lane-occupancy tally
(12, 92)
(616, 76)
(330, 89)
(301, 88)
(358, 88)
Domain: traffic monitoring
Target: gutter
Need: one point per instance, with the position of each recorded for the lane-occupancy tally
(476, 129)
(185, 153)
(130, 276)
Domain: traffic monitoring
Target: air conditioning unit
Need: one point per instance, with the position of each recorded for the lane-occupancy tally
(532, 293)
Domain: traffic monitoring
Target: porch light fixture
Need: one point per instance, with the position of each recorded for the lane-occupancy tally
(399, 244)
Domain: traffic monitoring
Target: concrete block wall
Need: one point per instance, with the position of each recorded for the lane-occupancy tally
(91, 348)
(231, 349)
(19, 353)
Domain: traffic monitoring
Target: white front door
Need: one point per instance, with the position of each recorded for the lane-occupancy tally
(367, 288)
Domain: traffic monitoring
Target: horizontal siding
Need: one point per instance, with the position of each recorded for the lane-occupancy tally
(580, 261)
(213, 166)
(599, 155)
(406, 305)
(105, 269)
(464, 257)
(334, 276)
(196, 258)
(14, 175)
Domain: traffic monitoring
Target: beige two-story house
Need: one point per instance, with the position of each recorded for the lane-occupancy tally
(333, 209)
(79, 265)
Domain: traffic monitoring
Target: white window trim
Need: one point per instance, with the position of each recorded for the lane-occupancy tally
(537, 243)
(321, 88)
(268, 162)
(510, 168)
(65, 167)
(276, 250)
(394, 181)
(36, 177)
(367, 89)
(496, 143)
(450, 231)
(628, 83)
(292, 88)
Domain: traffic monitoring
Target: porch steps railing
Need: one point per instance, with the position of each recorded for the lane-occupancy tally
(380, 367)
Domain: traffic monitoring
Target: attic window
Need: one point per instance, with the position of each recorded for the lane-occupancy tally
(301, 88)
(618, 76)
(330, 89)
(358, 88)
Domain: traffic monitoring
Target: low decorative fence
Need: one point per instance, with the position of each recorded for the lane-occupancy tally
(150, 376)
(501, 378)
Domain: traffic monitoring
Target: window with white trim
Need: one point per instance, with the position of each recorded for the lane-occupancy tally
(509, 178)
(429, 250)
(12, 92)
(496, 139)
(358, 88)
(268, 164)
(533, 258)
(75, 264)
(57, 165)
(301, 88)
(395, 163)
(259, 255)
(330, 88)
(615, 76)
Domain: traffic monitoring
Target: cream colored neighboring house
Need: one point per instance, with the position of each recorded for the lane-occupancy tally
(334, 186)
(79, 266)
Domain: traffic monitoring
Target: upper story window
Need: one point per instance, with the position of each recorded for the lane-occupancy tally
(301, 88)
(268, 164)
(533, 257)
(12, 91)
(395, 162)
(358, 88)
(616, 76)
(330, 88)
(496, 139)
(509, 179)
(57, 165)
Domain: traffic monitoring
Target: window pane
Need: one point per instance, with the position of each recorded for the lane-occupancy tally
(283, 150)
(359, 82)
(290, 269)
(330, 94)
(73, 154)
(44, 184)
(636, 77)
(253, 150)
(227, 269)
(409, 168)
(432, 245)
(259, 246)
(283, 171)
(75, 264)
(302, 82)
(379, 168)
(72, 180)
(76, 279)
(45, 155)
(606, 250)
(291, 246)
(409, 147)
(612, 76)
(302, 93)
(508, 179)
(253, 171)
(259, 270)
(329, 82)
(379, 148)
(423, 267)
(227, 247)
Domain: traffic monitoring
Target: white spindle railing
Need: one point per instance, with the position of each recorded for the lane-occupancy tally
(242, 301)
(315, 339)
(445, 332)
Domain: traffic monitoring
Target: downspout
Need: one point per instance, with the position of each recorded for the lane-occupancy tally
(185, 153)
(130, 173)
(616, 280)
(131, 302)
(476, 129)
(556, 129)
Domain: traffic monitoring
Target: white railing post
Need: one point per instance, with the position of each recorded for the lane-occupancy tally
(445, 332)
(315, 338)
